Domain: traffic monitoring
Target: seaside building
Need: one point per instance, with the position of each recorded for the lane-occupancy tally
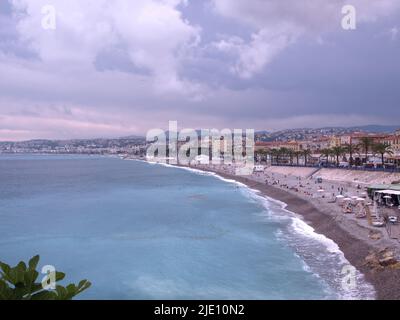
(335, 141)
(345, 140)
(315, 145)
(356, 138)
(275, 145)
(306, 145)
(291, 145)
(395, 142)
(379, 187)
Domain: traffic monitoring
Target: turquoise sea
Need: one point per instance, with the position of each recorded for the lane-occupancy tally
(147, 231)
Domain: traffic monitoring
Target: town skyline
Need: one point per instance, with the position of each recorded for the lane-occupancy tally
(333, 130)
(288, 142)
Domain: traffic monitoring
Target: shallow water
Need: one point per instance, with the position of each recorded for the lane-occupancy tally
(142, 231)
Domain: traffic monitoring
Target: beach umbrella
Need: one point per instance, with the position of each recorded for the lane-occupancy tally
(360, 199)
(321, 190)
(387, 197)
(340, 196)
(347, 199)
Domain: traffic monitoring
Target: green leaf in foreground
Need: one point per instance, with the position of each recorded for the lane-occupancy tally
(20, 283)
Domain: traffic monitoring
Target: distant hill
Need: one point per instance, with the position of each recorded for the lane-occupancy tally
(133, 137)
(376, 128)
(372, 128)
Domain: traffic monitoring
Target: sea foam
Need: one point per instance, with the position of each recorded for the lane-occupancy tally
(300, 228)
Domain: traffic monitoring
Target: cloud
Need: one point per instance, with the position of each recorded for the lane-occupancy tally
(255, 55)
(87, 28)
(113, 68)
(394, 33)
(278, 24)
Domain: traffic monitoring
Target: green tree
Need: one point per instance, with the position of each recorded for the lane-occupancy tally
(338, 151)
(351, 149)
(366, 144)
(326, 153)
(274, 156)
(382, 149)
(19, 283)
(261, 154)
(297, 155)
(283, 152)
(290, 153)
(306, 154)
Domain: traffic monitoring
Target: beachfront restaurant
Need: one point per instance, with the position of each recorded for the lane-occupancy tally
(386, 195)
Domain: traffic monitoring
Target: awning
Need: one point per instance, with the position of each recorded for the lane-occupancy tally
(393, 192)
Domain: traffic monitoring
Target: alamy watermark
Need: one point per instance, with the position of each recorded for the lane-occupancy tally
(349, 278)
(49, 280)
(49, 20)
(206, 146)
(349, 20)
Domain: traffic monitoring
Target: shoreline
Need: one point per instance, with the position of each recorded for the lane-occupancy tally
(354, 249)
(386, 282)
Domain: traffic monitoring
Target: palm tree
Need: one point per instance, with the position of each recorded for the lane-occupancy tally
(326, 153)
(290, 153)
(351, 149)
(283, 152)
(274, 153)
(306, 154)
(366, 144)
(337, 152)
(260, 154)
(269, 153)
(382, 149)
(297, 154)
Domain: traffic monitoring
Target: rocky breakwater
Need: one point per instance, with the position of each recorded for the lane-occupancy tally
(382, 259)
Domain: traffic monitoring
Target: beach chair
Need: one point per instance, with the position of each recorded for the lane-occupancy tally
(348, 208)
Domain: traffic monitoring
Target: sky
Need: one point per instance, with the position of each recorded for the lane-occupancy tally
(112, 68)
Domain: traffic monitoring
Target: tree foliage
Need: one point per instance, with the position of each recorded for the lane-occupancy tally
(20, 283)
(382, 149)
(366, 144)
